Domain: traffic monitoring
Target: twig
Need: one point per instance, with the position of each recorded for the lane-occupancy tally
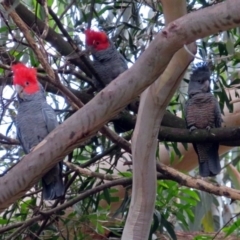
(69, 183)
(218, 232)
(7, 170)
(65, 11)
(78, 75)
(195, 183)
(115, 138)
(9, 140)
(45, 221)
(99, 156)
(31, 193)
(22, 26)
(88, 173)
(90, 16)
(46, 26)
(17, 232)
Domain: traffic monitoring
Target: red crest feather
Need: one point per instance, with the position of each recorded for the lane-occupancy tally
(98, 40)
(25, 77)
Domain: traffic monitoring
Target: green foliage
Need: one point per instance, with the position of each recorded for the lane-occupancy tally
(234, 227)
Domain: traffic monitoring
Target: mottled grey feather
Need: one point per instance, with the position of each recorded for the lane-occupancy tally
(202, 111)
(35, 120)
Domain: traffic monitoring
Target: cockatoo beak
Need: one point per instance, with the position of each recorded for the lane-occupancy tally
(19, 90)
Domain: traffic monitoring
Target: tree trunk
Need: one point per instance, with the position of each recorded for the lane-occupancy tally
(153, 103)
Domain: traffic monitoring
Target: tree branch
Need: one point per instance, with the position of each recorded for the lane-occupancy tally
(88, 173)
(221, 135)
(112, 99)
(8, 140)
(195, 183)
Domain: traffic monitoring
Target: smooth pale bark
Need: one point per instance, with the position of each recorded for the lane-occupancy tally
(190, 159)
(89, 119)
(153, 103)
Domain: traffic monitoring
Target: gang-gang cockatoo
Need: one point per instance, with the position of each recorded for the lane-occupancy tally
(107, 61)
(34, 121)
(202, 111)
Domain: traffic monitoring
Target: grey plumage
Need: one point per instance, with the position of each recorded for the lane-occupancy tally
(34, 121)
(202, 111)
(107, 62)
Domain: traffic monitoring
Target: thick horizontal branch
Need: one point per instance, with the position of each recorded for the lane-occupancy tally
(200, 135)
(173, 129)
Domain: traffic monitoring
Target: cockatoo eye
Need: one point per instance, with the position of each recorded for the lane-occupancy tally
(95, 43)
(27, 83)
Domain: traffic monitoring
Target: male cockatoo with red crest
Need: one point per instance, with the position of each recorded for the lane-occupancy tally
(34, 121)
(107, 61)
